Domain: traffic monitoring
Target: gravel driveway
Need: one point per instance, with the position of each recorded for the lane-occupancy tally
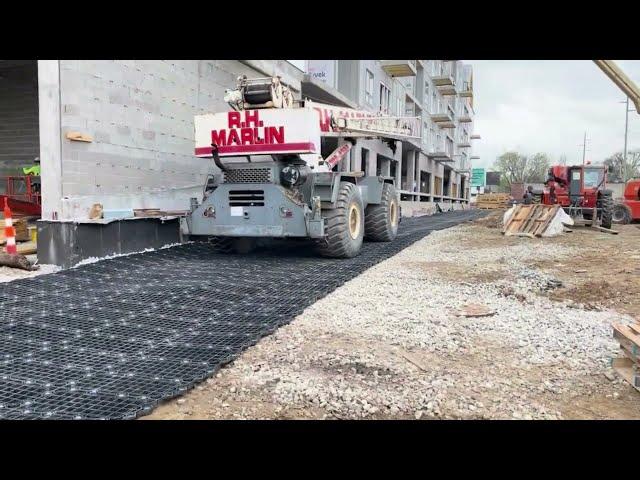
(391, 344)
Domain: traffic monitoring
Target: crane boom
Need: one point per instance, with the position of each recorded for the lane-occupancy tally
(624, 83)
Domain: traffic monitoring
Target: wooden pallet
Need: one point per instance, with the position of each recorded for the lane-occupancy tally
(530, 220)
(628, 365)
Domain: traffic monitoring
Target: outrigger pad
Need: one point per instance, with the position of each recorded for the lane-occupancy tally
(110, 340)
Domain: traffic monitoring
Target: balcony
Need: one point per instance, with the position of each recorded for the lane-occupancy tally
(465, 118)
(475, 137)
(447, 90)
(399, 68)
(440, 153)
(464, 143)
(443, 80)
(466, 90)
(443, 119)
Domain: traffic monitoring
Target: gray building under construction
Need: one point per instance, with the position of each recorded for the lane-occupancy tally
(120, 133)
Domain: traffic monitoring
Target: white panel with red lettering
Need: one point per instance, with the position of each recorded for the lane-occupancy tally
(258, 132)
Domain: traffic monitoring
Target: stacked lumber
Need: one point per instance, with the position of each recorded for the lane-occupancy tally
(489, 201)
(628, 364)
(530, 220)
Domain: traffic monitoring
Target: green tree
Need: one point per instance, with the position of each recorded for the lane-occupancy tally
(622, 171)
(518, 168)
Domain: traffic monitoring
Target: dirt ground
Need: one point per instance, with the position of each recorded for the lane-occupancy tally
(310, 370)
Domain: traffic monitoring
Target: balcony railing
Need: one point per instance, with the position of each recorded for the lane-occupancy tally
(399, 68)
(445, 79)
(464, 143)
(440, 152)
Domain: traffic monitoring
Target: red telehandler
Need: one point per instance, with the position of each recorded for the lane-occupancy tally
(581, 191)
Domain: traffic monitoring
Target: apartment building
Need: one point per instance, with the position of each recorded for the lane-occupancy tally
(435, 168)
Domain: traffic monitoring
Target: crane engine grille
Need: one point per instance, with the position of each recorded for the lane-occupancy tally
(248, 175)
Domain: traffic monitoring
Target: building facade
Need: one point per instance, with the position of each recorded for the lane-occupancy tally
(436, 168)
(119, 133)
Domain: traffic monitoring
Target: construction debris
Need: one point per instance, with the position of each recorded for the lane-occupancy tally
(473, 310)
(628, 365)
(535, 221)
(16, 261)
(490, 201)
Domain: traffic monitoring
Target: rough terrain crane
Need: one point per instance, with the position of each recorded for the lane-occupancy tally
(274, 182)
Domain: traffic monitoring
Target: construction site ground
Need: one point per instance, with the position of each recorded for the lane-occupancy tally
(397, 342)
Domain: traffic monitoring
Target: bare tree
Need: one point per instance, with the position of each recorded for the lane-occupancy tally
(621, 170)
(518, 168)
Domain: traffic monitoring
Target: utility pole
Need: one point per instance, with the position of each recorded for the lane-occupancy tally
(584, 148)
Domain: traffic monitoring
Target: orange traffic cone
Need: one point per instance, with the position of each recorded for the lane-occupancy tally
(9, 230)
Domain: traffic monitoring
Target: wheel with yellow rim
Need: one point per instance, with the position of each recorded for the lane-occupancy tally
(381, 220)
(344, 225)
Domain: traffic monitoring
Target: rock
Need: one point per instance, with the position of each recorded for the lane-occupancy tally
(181, 401)
(610, 376)
(232, 389)
(419, 414)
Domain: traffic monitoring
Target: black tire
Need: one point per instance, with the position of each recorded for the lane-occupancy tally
(222, 244)
(536, 199)
(381, 221)
(607, 210)
(621, 214)
(587, 215)
(343, 239)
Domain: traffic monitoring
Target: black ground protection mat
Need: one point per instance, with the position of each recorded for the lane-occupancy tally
(111, 339)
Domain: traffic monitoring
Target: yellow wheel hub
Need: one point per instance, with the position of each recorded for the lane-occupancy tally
(393, 212)
(354, 221)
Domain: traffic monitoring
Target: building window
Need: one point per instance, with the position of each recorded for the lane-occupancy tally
(368, 88)
(385, 98)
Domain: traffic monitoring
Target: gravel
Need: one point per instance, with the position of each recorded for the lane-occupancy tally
(9, 274)
(389, 343)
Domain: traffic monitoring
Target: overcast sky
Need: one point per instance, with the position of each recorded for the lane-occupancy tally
(546, 106)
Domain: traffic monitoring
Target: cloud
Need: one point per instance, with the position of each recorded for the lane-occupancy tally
(546, 106)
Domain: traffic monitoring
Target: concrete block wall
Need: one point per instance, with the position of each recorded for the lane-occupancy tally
(140, 115)
(19, 137)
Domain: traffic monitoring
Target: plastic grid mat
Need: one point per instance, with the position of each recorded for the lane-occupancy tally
(111, 339)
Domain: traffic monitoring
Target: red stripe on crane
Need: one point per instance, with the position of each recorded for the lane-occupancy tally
(248, 149)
